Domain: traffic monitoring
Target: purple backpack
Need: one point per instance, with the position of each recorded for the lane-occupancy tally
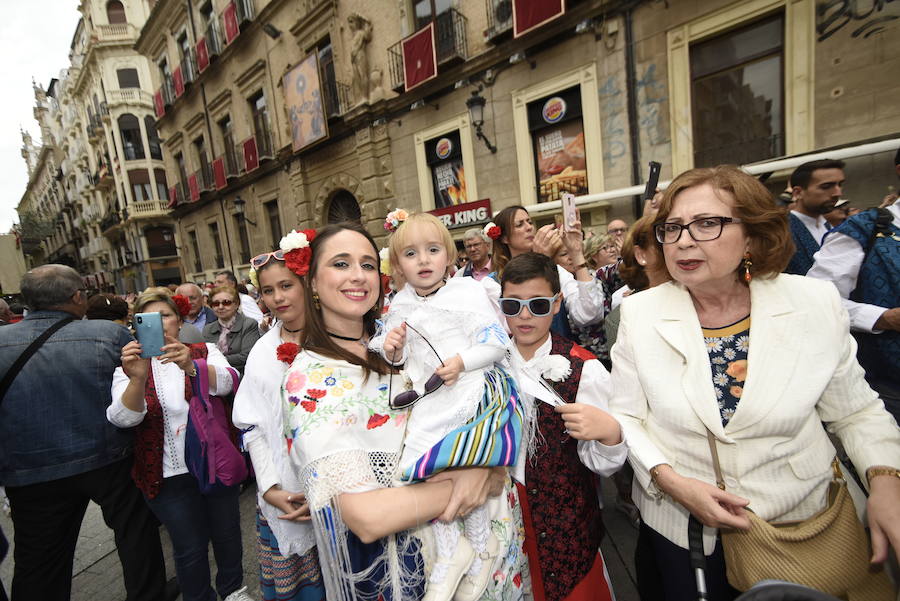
(208, 451)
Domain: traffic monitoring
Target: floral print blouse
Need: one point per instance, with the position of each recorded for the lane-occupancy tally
(728, 347)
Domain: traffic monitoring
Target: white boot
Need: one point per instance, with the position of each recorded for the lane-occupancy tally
(472, 587)
(454, 568)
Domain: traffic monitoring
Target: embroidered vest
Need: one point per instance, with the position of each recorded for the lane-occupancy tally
(147, 471)
(807, 246)
(562, 492)
(878, 283)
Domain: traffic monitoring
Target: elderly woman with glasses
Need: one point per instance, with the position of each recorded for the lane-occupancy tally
(736, 357)
(288, 561)
(232, 332)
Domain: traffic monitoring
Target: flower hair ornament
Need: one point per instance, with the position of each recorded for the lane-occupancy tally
(492, 230)
(297, 252)
(394, 219)
(183, 304)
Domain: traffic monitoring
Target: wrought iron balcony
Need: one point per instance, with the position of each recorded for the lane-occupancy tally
(335, 94)
(450, 45)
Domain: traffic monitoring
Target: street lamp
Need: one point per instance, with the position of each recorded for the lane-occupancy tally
(239, 206)
(475, 104)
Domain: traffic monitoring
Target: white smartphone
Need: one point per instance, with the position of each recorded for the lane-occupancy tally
(570, 214)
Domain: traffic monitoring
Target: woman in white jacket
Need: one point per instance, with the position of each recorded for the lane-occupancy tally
(687, 361)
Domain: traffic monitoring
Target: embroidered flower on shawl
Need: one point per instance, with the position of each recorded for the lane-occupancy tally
(394, 219)
(297, 252)
(556, 368)
(286, 352)
(492, 231)
(295, 382)
(183, 304)
(376, 420)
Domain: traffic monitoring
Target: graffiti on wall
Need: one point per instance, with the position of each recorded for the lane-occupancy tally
(651, 94)
(612, 110)
(867, 17)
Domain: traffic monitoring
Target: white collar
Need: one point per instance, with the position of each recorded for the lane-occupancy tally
(817, 222)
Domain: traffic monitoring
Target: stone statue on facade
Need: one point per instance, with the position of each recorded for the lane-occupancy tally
(361, 35)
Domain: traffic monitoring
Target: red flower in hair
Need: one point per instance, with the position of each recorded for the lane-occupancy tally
(492, 231)
(286, 352)
(297, 260)
(183, 304)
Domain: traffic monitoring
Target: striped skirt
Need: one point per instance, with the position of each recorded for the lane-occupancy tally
(489, 439)
(281, 578)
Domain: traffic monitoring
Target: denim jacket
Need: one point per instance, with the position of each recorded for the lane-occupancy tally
(53, 419)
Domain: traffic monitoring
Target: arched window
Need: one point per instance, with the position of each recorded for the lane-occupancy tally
(343, 207)
(115, 12)
(132, 143)
(152, 138)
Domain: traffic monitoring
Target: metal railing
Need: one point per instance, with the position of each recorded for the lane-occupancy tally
(449, 41)
(245, 10)
(213, 39)
(233, 151)
(188, 67)
(335, 94)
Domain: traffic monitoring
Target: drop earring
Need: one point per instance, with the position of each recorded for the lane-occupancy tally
(747, 265)
(315, 298)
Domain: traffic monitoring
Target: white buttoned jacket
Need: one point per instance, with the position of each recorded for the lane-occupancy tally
(802, 371)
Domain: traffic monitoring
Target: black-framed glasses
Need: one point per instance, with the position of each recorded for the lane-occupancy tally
(408, 398)
(701, 230)
(539, 306)
(260, 260)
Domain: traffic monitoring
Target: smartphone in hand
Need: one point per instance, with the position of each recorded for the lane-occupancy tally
(149, 331)
(570, 214)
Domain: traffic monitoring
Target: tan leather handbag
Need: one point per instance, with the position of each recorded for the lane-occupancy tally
(828, 551)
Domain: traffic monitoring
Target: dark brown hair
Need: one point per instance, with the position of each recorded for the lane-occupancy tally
(315, 334)
(500, 254)
(640, 235)
(107, 306)
(529, 266)
(765, 224)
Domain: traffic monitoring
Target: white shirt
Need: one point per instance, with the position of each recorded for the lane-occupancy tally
(815, 225)
(594, 388)
(584, 300)
(250, 308)
(839, 261)
(169, 380)
(258, 412)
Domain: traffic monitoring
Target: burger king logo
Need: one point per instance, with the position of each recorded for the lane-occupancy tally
(554, 109)
(443, 148)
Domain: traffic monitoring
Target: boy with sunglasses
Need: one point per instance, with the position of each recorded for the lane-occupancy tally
(566, 392)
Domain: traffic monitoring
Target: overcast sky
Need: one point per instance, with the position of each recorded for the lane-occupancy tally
(34, 41)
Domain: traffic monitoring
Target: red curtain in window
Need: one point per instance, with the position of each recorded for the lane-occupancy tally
(158, 104)
(419, 58)
(531, 14)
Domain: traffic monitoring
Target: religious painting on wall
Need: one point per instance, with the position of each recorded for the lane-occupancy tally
(304, 104)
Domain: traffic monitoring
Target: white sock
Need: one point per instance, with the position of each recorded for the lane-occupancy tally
(478, 529)
(446, 537)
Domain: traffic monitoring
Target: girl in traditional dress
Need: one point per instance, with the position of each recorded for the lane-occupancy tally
(345, 439)
(288, 562)
(447, 335)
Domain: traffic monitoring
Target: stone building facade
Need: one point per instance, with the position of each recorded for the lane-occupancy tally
(100, 145)
(578, 101)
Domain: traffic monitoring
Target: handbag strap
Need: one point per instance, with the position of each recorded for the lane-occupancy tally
(37, 343)
(837, 476)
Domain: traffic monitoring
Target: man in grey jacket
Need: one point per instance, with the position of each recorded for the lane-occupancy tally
(58, 451)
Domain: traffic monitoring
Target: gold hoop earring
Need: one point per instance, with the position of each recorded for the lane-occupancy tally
(315, 298)
(747, 265)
